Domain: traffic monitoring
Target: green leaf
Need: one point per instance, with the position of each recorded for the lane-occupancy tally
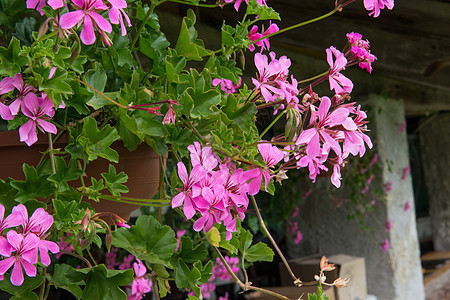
(96, 77)
(213, 237)
(146, 124)
(263, 12)
(259, 252)
(25, 290)
(147, 240)
(188, 45)
(10, 58)
(60, 280)
(113, 181)
(94, 142)
(162, 278)
(202, 95)
(187, 253)
(187, 278)
(24, 30)
(35, 185)
(64, 173)
(174, 65)
(63, 211)
(101, 283)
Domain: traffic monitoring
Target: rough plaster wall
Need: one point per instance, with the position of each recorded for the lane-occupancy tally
(392, 275)
(435, 145)
(403, 256)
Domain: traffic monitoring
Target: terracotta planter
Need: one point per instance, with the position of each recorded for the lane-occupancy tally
(141, 166)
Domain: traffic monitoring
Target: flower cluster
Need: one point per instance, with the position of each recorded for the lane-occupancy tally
(328, 128)
(21, 246)
(272, 81)
(36, 107)
(88, 14)
(258, 38)
(218, 190)
(141, 284)
(359, 51)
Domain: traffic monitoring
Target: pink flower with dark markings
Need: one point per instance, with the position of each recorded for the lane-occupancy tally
(39, 4)
(185, 194)
(323, 121)
(24, 255)
(38, 111)
(117, 14)
(86, 13)
(141, 283)
(253, 35)
(376, 5)
(227, 85)
(271, 155)
(338, 82)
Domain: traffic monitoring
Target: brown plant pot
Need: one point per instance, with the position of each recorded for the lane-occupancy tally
(141, 166)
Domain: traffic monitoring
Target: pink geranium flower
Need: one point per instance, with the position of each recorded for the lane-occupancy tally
(227, 85)
(253, 35)
(323, 121)
(338, 82)
(271, 155)
(39, 4)
(212, 207)
(86, 13)
(141, 283)
(376, 5)
(38, 111)
(185, 194)
(24, 256)
(23, 89)
(117, 14)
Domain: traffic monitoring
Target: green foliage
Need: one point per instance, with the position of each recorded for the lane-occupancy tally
(101, 283)
(24, 291)
(320, 294)
(252, 253)
(188, 45)
(147, 240)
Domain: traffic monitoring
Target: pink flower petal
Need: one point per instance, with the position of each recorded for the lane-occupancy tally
(101, 22)
(87, 35)
(16, 274)
(71, 19)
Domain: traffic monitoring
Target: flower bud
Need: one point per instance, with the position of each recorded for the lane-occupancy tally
(341, 282)
(325, 266)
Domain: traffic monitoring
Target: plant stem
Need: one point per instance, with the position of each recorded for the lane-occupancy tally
(155, 288)
(264, 228)
(100, 93)
(313, 78)
(247, 286)
(129, 199)
(42, 290)
(77, 256)
(141, 27)
(136, 203)
(227, 266)
(90, 255)
(255, 288)
(161, 187)
(271, 124)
